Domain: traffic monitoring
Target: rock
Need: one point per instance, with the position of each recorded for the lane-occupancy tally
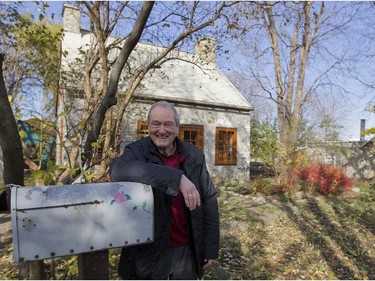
(299, 194)
(356, 189)
(221, 188)
(269, 217)
(260, 199)
(295, 210)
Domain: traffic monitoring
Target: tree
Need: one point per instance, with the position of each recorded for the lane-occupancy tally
(32, 51)
(285, 41)
(264, 142)
(370, 131)
(10, 142)
(100, 127)
(33, 60)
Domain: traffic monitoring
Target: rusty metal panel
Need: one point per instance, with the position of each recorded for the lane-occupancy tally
(52, 221)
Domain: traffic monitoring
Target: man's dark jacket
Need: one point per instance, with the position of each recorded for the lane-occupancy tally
(142, 162)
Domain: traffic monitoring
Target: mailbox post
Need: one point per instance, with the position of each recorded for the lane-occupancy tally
(83, 219)
(90, 266)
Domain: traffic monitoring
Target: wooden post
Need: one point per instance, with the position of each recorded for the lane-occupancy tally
(93, 266)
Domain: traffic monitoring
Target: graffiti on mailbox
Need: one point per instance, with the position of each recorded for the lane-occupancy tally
(120, 197)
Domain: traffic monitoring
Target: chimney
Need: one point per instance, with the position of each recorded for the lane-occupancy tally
(363, 128)
(205, 48)
(72, 18)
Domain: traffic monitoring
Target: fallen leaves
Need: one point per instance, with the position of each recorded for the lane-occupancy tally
(310, 237)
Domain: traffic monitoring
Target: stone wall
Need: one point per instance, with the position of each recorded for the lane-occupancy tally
(209, 119)
(356, 158)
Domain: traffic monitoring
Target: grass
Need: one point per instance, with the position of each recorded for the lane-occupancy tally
(297, 237)
(273, 236)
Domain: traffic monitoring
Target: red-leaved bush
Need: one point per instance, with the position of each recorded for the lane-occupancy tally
(325, 179)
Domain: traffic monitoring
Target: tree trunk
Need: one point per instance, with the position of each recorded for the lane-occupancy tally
(10, 141)
(11, 146)
(110, 96)
(290, 91)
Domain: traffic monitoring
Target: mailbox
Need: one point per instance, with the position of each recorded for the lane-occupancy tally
(52, 221)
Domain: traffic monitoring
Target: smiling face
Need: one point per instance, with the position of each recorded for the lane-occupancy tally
(162, 128)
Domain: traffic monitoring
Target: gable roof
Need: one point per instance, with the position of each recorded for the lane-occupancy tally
(183, 77)
(187, 79)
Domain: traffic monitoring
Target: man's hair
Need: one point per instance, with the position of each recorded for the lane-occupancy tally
(165, 104)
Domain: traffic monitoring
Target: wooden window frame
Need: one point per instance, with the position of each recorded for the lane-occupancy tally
(230, 140)
(192, 128)
(142, 129)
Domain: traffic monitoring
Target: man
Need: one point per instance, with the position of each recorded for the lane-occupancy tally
(186, 217)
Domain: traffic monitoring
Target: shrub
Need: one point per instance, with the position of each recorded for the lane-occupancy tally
(325, 179)
(263, 186)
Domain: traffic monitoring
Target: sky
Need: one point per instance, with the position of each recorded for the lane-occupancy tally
(355, 111)
(353, 108)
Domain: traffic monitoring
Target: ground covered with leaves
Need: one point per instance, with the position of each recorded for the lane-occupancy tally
(298, 236)
(279, 236)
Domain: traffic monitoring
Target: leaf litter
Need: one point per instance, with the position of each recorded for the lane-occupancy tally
(280, 237)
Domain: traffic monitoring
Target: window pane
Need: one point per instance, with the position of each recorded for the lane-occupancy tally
(192, 134)
(225, 153)
(142, 130)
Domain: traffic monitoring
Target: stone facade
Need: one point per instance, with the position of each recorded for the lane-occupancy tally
(210, 120)
(202, 94)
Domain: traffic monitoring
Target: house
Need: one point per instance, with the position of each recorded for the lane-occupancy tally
(214, 115)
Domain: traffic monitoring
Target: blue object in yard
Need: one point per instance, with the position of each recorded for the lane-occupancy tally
(32, 138)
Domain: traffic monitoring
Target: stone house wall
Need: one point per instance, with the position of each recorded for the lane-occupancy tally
(209, 120)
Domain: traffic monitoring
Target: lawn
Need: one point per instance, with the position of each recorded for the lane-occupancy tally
(299, 236)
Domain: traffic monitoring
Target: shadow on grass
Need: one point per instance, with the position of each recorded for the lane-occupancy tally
(363, 212)
(323, 232)
(240, 258)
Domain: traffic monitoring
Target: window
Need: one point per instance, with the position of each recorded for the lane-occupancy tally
(189, 133)
(192, 134)
(226, 146)
(142, 130)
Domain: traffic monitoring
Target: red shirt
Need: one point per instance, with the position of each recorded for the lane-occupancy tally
(178, 235)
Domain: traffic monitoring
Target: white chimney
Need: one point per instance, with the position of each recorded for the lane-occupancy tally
(205, 48)
(72, 18)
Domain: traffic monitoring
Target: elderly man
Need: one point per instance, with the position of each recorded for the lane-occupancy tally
(186, 217)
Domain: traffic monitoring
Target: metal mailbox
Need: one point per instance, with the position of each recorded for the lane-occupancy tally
(52, 221)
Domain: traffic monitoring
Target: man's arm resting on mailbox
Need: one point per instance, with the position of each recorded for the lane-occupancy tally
(126, 168)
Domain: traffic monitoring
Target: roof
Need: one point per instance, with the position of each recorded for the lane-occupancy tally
(197, 83)
(183, 77)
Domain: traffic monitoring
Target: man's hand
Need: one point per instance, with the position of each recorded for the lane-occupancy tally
(190, 193)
